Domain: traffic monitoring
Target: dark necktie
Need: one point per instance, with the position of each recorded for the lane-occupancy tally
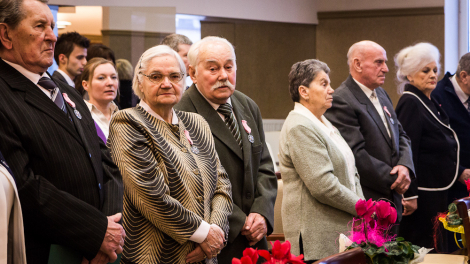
(226, 110)
(48, 84)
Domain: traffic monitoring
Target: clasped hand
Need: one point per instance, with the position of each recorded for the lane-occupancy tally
(402, 183)
(112, 243)
(255, 228)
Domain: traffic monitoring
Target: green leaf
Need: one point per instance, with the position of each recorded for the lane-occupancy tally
(399, 239)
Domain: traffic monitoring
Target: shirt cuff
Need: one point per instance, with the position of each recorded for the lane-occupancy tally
(201, 233)
(410, 198)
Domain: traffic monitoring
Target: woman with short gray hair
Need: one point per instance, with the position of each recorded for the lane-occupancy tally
(434, 144)
(321, 184)
(177, 196)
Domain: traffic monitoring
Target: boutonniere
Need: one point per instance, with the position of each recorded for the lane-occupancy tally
(248, 130)
(194, 149)
(72, 104)
(389, 115)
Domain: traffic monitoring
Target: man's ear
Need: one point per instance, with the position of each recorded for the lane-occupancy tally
(62, 59)
(463, 77)
(192, 73)
(5, 37)
(357, 65)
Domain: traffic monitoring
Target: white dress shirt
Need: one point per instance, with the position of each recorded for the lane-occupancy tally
(67, 78)
(33, 77)
(460, 93)
(100, 118)
(375, 101)
(336, 137)
(203, 230)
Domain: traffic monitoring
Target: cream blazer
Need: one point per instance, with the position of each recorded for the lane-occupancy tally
(318, 201)
(11, 228)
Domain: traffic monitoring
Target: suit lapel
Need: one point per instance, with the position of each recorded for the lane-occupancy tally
(240, 114)
(217, 125)
(362, 98)
(393, 128)
(35, 96)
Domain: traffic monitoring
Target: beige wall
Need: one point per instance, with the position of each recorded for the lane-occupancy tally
(393, 29)
(265, 52)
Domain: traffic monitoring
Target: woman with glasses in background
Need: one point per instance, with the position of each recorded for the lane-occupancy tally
(177, 196)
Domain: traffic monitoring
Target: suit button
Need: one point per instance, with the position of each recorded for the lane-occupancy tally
(99, 185)
(89, 154)
(248, 195)
(175, 128)
(200, 199)
(184, 150)
(196, 171)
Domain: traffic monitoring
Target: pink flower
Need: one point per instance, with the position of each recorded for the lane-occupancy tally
(365, 209)
(383, 212)
(392, 218)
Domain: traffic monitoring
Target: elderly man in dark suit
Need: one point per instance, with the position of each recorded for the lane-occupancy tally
(236, 124)
(363, 113)
(453, 93)
(67, 182)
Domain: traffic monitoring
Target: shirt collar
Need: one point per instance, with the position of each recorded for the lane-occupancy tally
(364, 88)
(91, 107)
(67, 78)
(214, 105)
(324, 124)
(147, 108)
(33, 77)
(458, 90)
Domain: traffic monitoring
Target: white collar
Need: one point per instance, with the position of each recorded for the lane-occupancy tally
(67, 78)
(214, 105)
(324, 124)
(114, 107)
(364, 88)
(33, 77)
(147, 108)
(458, 90)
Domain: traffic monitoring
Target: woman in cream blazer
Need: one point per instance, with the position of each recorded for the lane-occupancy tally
(321, 184)
(12, 247)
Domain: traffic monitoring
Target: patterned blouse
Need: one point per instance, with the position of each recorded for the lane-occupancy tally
(171, 184)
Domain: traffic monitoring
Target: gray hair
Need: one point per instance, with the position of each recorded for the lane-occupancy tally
(464, 65)
(412, 59)
(11, 12)
(193, 53)
(143, 64)
(303, 73)
(124, 69)
(174, 40)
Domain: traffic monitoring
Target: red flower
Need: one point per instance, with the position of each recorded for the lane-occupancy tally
(383, 213)
(392, 218)
(280, 254)
(250, 256)
(467, 182)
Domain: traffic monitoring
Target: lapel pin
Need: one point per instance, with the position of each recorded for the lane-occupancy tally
(248, 130)
(389, 115)
(72, 104)
(194, 149)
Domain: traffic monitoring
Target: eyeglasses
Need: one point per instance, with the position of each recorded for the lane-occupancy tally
(158, 78)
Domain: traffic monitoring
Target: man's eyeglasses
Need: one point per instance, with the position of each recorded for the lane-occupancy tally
(158, 78)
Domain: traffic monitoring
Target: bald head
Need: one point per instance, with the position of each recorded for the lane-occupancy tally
(367, 63)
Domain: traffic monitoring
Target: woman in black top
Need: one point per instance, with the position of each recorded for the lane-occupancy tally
(435, 145)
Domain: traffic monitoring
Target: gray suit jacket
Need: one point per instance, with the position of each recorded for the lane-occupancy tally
(376, 153)
(318, 200)
(58, 76)
(254, 184)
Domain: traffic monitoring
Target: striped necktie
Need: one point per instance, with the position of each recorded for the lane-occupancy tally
(226, 110)
(48, 84)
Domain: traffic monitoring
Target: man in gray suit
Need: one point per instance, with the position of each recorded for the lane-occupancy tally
(363, 113)
(70, 55)
(236, 123)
